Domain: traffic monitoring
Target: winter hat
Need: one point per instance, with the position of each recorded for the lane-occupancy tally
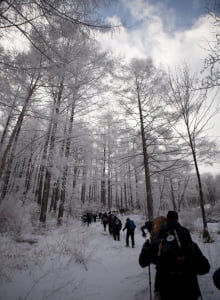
(172, 215)
(216, 278)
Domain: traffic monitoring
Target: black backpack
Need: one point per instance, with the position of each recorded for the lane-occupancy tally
(175, 251)
(117, 223)
(131, 225)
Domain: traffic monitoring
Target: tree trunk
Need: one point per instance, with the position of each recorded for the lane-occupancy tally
(42, 170)
(83, 188)
(121, 198)
(138, 204)
(9, 118)
(103, 193)
(161, 190)
(130, 188)
(65, 172)
(206, 235)
(62, 196)
(17, 128)
(55, 196)
(7, 173)
(182, 196)
(146, 162)
(45, 196)
(11, 147)
(172, 195)
(53, 129)
(125, 195)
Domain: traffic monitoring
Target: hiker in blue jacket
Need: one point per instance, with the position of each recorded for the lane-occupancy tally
(130, 226)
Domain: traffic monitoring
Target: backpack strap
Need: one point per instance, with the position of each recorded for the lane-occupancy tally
(177, 238)
(160, 248)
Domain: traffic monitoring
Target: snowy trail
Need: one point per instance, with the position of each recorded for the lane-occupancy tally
(116, 273)
(104, 268)
(76, 262)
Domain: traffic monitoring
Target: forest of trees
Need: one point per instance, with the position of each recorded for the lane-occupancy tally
(80, 129)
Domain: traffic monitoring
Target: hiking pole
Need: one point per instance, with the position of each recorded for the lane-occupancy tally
(149, 274)
(150, 282)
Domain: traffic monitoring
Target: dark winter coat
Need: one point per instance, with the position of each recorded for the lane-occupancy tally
(105, 219)
(170, 284)
(117, 225)
(216, 278)
(147, 226)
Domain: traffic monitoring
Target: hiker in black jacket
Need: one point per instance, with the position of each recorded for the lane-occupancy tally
(110, 222)
(178, 261)
(147, 226)
(117, 225)
(130, 226)
(104, 220)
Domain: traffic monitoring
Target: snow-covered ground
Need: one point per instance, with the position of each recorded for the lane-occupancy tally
(77, 262)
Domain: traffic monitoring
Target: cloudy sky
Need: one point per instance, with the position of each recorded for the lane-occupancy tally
(169, 31)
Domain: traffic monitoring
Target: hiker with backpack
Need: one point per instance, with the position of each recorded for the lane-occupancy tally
(147, 226)
(104, 220)
(177, 258)
(130, 226)
(117, 225)
(110, 222)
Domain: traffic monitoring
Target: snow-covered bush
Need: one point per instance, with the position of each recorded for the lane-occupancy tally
(17, 217)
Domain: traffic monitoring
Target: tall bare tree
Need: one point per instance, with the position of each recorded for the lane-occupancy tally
(140, 95)
(191, 112)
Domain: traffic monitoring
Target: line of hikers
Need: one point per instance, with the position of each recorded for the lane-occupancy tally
(177, 258)
(115, 226)
(88, 218)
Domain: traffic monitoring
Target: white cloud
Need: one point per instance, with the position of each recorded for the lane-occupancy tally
(151, 39)
(188, 45)
(121, 42)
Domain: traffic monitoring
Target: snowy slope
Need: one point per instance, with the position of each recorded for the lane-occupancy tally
(76, 262)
